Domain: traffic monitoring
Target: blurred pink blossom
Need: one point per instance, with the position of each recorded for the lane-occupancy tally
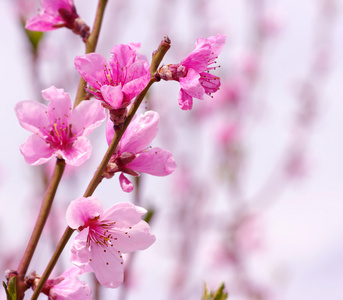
(57, 14)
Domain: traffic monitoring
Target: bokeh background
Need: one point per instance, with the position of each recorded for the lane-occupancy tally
(256, 201)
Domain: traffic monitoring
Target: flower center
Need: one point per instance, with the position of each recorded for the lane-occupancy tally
(99, 232)
(60, 137)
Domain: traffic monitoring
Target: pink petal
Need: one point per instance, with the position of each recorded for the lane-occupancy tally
(109, 130)
(122, 56)
(81, 210)
(44, 22)
(79, 252)
(72, 272)
(107, 265)
(86, 117)
(209, 82)
(78, 153)
(191, 84)
(36, 151)
(60, 106)
(185, 100)
(217, 43)
(198, 58)
(136, 238)
(155, 161)
(54, 5)
(137, 78)
(91, 67)
(125, 214)
(140, 132)
(71, 289)
(113, 95)
(125, 184)
(32, 116)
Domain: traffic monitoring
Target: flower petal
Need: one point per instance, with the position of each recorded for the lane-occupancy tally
(209, 82)
(138, 237)
(125, 184)
(217, 43)
(79, 251)
(86, 117)
(140, 132)
(78, 152)
(107, 265)
(44, 22)
(53, 5)
(59, 108)
(36, 151)
(81, 210)
(71, 289)
(109, 130)
(156, 161)
(122, 56)
(125, 214)
(198, 58)
(137, 78)
(113, 95)
(185, 100)
(191, 84)
(92, 68)
(33, 116)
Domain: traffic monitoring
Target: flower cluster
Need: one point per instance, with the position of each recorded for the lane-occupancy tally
(60, 130)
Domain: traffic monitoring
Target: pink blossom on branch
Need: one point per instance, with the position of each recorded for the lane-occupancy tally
(56, 14)
(58, 130)
(193, 71)
(104, 236)
(133, 154)
(117, 82)
(67, 286)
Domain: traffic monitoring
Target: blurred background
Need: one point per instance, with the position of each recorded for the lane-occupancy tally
(257, 199)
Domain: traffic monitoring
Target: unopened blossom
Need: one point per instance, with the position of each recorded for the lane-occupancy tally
(58, 129)
(118, 81)
(193, 71)
(105, 235)
(133, 154)
(56, 14)
(67, 286)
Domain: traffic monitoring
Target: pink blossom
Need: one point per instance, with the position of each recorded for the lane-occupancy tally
(117, 82)
(56, 14)
(133, 154)
(104, 236)
(68, 287)
(193, 71)
(58, 130)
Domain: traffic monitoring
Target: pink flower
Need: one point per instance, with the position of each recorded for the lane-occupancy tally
(133, 154)
(117, 82)
(193, 72)
(59, 131)
(68, 287)
(104, 236)
(56, 14)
